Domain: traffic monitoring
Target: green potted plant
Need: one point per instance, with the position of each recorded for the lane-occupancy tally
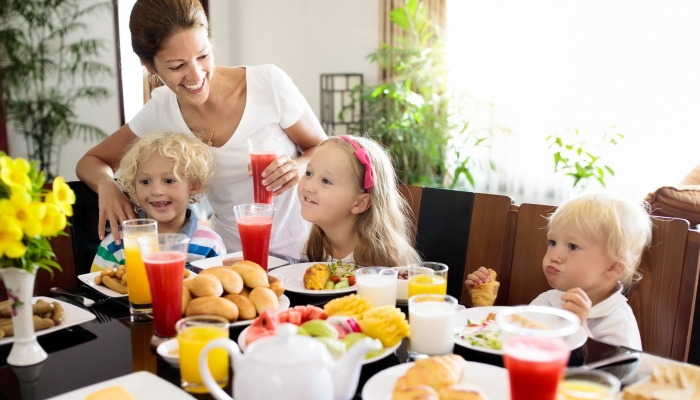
(46, 68)
(415, 113)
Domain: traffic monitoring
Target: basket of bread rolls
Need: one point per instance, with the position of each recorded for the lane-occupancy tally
(240, 291)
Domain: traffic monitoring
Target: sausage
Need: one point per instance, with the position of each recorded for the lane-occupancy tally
(58, 313)
(114, 285)
(41, 307)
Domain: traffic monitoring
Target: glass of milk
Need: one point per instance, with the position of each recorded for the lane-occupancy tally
(431, 317)
(377, 284)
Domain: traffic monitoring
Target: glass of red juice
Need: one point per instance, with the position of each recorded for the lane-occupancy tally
(535, 366)
(164, 257)
(263, 151)
(254, 226)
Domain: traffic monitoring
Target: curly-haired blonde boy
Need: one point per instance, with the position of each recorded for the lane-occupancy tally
(162, 173)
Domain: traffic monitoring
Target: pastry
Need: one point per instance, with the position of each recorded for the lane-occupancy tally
(253, 275)
(230, 280)
(264, 299)
(246, 308)
(461, 391)
(420, 392)
(213, 306)
(204, 285)
(436, 372)
(110, 393)
(485, 294)
(668, 381)
(526, 322)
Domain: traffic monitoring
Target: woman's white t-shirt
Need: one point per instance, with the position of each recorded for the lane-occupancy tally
(273, 103)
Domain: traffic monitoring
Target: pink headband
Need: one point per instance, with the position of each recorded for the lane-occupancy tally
(363, 156)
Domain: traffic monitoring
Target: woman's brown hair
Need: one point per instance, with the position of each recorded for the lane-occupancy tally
(153, 22)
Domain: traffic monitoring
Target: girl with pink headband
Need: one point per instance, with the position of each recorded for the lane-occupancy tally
(349, 193)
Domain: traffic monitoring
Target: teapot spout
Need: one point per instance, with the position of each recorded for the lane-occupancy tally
(346, 372)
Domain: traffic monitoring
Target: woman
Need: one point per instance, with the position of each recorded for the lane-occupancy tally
(222, 107)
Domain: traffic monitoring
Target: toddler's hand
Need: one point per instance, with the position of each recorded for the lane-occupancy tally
(578, 302)
(479, 276)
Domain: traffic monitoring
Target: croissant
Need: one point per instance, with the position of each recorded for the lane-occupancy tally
(485, 294)
(461, 392)
(435, 372)
(420, 392)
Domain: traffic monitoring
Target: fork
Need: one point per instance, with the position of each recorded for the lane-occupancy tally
(94, 306)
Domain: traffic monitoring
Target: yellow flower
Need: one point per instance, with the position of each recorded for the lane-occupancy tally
(15, 173)
(11, 238)
(62, 196)
(28, 213)
(54, 220)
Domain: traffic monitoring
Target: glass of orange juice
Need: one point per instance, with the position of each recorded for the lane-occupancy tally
(137, 281)
(193, 333)
(427, 278)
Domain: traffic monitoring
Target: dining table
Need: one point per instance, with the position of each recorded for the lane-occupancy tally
(95, 351)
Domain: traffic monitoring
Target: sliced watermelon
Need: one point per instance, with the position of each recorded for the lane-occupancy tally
(295, 318)
(265, 325)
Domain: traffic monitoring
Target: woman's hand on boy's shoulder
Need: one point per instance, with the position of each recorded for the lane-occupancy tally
(578, 302)
(478, 277)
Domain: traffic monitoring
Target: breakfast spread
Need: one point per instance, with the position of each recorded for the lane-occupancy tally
(46, 315)
(485, 294)
(668, 381)
(115, 279)
(331, 276)
(436, 378)
(241, 291)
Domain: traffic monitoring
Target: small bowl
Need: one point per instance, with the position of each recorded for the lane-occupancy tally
(560, 323)
(581, 378)
(164, 350)
(402, 285)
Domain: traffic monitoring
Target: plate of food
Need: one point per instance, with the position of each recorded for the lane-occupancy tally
(317, 279)
(114, 286)
(431, 376)
(476, 329)
(54, 318)
(137, 385)
(228, 259)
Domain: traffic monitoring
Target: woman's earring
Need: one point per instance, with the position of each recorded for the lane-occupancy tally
(153, 79)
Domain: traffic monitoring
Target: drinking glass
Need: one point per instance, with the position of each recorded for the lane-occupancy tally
(263, 151)
(137, 280)
(255, 225)
(427, 278)
(193, 333)
(377, 285)
(431, 317)
(588, 385)
(164, 256)
(535, 366)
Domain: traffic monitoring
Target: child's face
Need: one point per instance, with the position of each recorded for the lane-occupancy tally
(572, 261)
(328, 192)
(161, 195)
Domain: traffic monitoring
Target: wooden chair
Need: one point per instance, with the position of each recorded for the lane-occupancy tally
(663, 301)
(464, 230)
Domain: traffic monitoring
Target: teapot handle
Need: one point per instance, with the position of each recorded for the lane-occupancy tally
(208, 379)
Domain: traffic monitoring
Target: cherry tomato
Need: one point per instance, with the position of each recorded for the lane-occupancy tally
(335, 279)
(351, 280)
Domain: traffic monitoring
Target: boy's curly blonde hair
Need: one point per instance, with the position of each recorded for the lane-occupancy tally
(191, 157)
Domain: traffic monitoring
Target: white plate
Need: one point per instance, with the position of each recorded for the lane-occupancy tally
(72, 315)
(283, 305)
(478, 314)
(142, 385)
(205, 263)
(387, 350)
(492, 380)
(292, 276)
(89, 280)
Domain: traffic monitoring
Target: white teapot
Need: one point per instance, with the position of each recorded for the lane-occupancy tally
(288, 366)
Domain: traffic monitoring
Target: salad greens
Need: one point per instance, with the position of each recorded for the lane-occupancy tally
(484, 334)
(342, 275)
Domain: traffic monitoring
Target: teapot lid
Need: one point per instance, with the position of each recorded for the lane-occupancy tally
(287, 348)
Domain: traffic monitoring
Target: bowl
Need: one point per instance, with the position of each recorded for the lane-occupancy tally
(402, 285)
(166, 350)
(537, 321)
(588, 384)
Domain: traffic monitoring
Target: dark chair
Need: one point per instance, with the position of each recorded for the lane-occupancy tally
(85, 239)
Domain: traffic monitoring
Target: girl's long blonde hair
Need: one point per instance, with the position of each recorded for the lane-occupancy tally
(382, 231)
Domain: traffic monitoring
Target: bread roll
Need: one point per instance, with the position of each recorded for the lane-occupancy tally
(213, 306)
(461, 391)
(436, 372)
(246, 308)
(186, 298)
(245, 292)
(205, 285)
(276, 285)
(253, 275)
(264, 299)
(230, 280)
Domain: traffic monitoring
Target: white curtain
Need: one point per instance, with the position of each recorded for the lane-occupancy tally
(551, 66)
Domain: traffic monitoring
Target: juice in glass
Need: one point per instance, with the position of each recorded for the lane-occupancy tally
(255, 238)
(165, 270)
(191, 340)
(260, 161)
(141, 356)
(535, 366)
(427, 284)
(137, 282)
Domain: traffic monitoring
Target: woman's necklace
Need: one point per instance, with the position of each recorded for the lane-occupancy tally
(218, 92)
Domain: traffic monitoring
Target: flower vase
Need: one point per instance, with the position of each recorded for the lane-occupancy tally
(20, 289)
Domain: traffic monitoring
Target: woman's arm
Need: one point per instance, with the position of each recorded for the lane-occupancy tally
(283, 173)
(96, 168)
